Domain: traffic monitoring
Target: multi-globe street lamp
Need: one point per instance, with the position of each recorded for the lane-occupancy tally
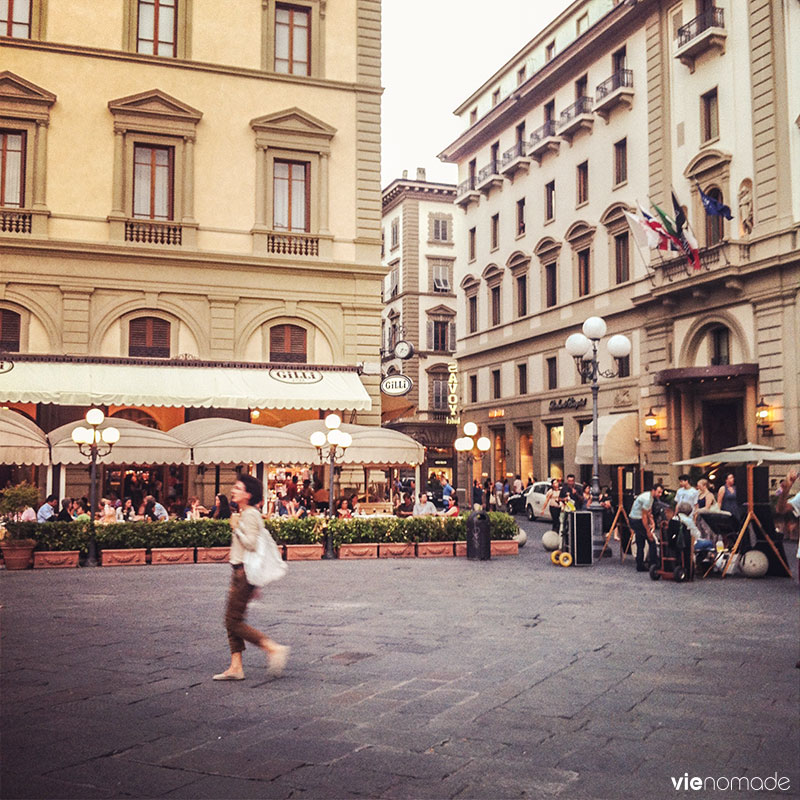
(583, 348)
(96, 444)
(466, 444)
(331, 445)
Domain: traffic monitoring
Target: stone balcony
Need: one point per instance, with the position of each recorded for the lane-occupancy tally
(544, 140)
(466, 193)
(614, 92)
(515, 160)
(704, 33)
(576, 118)
(489, 178)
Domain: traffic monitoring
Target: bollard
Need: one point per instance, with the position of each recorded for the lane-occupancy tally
(479, 543)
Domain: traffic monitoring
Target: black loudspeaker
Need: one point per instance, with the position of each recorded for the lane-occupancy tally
(580, 538)
(760, 483)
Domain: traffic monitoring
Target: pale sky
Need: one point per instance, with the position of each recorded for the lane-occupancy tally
(435, 54)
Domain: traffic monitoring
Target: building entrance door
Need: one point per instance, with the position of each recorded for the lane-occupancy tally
(723, 424)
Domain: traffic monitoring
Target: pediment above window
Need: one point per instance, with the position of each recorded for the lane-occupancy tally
(154, 110)
(492, 274)
(580, 233)
(23, 99)
(547, 249)
(518, 262)
(707, 161)
(470, 282)
(440, 311)
(293, 127)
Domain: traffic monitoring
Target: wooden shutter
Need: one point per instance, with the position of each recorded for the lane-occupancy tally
(149, 337)
(9, 331)
(287, 343)
(430, 334)
(451, 336)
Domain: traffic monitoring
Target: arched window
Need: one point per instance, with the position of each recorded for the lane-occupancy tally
(287, 343)
(149, 337)
(720, 346)
(9, 331)
(714, 223)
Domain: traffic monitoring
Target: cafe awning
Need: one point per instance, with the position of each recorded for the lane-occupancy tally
(21, 441)
(95, 381)
(617, 435)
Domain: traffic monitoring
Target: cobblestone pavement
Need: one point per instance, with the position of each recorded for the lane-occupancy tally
(423, 678)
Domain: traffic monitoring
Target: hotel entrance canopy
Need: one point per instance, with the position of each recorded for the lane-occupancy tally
(71, 381)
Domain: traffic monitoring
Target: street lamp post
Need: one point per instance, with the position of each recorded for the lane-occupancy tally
(95, 444)
(466, 444)
(331, 445)
(583, 348)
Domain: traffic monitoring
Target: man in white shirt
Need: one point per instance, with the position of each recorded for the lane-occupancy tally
(424, 507)
(158, 510)
(687, 493)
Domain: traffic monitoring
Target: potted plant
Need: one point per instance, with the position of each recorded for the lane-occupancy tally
(173, 542)
(17, 550)
(503, 529)
(60, 544)
(124, 544)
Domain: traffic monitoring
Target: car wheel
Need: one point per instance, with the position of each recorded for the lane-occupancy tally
(529, 513)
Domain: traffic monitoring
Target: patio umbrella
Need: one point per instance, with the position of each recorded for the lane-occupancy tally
(747, 453)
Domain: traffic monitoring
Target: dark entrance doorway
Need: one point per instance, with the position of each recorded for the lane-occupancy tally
(723, 424)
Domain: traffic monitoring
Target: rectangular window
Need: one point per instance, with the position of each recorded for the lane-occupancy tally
(292, 40)
(521, 75)
(441, 277)
(15, 18)
(440, 330)
(720, 347)
(157, 28)
(551, 284)
(584, 284)
(495, 231)
(552, 373)
(549, 51)
(472, 244)
(623, 366)
(622, 257)
(287, 343)
(522, 295)
(495, 293)
(710, 115)
(549, 110)
(292, 196)
(12, 169)
(555, 450)
(583, 183)
(10, 327)
(472, 302)
(395, 234)
(473, 388)
(582, 87)
(149, 337)
(441, 230)
(153, 177)
(495, 384)
(582, 24)
(522, 378)
(550, 201)
(620, 162)
(520, 216)
(619, 60)
(439, 388)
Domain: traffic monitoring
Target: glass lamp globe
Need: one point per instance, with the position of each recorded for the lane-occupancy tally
(619, 346)
(594, 328)
(333, 421)
(81, 435)
(345, 440)
(459, 444)
(577, 344)
(470, 428)
(333, 436)
(94, 416)
(110, 435)
(484, 444)
(468, 442)
(318, 438)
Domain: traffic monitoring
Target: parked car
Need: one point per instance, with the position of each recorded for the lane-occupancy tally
(534, 499)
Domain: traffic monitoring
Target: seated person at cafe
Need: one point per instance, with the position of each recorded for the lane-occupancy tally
(159, 510)
(406, 508)
(453, 510)
(344, 511)
(424, 507)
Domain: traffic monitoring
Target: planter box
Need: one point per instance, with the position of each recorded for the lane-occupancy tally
(17, 554)
(435, 549)
(396, 550)
(172, 555)
(505, 547)
(136, 557)
(213, 555)
(304, 552)
(358, 550)
(461, 549)
(55, 559)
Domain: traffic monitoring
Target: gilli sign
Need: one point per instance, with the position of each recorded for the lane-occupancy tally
(396, 385)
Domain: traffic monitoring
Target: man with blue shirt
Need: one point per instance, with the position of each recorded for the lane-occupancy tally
(644, 527)
(48, 509)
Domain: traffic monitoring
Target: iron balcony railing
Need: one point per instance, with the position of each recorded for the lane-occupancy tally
(548, 129)
(487, 171)
(622, 77)
(514, 152)
(583, 105)
(711, 18)
(466, 186)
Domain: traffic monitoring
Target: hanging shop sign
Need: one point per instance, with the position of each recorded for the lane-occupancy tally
(452, 394)
(569, 403)
(396, 385)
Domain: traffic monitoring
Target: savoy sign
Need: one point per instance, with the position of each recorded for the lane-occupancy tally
(396, 385)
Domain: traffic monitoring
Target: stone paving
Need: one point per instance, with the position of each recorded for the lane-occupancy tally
(434, 678)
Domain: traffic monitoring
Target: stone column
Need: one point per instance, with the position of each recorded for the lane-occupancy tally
(323, 193)
(118, 207)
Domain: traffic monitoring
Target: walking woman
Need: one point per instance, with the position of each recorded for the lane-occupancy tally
(248, 494)
(551, 502)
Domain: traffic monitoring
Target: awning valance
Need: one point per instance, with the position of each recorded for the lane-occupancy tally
(91, 382)
(616, 440)
(21, 441)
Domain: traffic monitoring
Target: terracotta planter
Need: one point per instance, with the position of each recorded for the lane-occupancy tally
(505, 547)
(172, 555)
(304, 552)
(435, 549)
(17, 553)
(461, 549)
(55, 559)
(358, 550)
(213, 555)
(137, 557)
(396, 550)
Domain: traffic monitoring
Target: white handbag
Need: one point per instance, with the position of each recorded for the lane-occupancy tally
(264, 564)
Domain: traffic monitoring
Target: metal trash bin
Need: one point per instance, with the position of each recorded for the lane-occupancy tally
(479, 543)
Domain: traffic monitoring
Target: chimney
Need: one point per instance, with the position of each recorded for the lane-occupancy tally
(420, 173)
(405, 174)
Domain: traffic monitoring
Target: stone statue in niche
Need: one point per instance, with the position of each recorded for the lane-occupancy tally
(745, 208)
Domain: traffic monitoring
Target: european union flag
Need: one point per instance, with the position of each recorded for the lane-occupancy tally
(714, 207)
